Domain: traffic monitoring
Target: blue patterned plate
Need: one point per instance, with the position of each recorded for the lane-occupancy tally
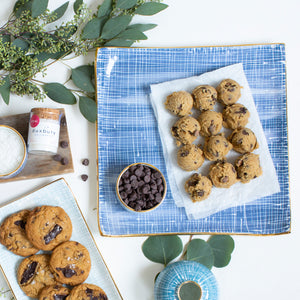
(128, 133)
(57, 193)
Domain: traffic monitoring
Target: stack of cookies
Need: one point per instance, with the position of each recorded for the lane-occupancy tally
(63, 265)
(208, 124)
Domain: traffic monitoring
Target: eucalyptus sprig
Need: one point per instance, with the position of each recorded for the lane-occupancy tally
(31, 40)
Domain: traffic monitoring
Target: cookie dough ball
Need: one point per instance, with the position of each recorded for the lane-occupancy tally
(190, 157)
(87, 291)
(179, 103)
(235, 116)
(185, 130)
(248, 167)
(13, 235)
(216, 147)
(222, 174)
(210, 123)
(229, 91)
(243, 140)
(198, 187)
(205, 97)
(54, 292)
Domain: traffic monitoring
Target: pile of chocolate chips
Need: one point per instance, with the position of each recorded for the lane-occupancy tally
(141, 187)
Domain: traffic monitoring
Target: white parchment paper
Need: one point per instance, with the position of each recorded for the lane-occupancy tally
(220, 198)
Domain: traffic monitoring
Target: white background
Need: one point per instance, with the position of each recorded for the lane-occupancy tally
(261, 267)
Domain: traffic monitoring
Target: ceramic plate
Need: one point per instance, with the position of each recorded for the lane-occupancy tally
(128, 133)
(57, 193)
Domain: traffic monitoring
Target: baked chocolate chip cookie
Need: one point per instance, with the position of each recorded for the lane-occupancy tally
(48, 226)
(86, 292)
(13, 235)
(54, 292)
(70, 263)
(34, 274)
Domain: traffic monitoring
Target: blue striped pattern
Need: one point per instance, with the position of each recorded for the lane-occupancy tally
(128, 133)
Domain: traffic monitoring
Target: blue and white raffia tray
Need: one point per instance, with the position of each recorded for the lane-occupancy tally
(128, 132)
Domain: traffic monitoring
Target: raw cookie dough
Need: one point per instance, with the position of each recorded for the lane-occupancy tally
(216, 147)
(34, 274)
(70, 263)
(185, 130)
(54, 292)
(198, 187)
(222, 174)
(229, 91)
(210, 123)
(87, 291)
(205, 97)
(190, 157)
(235, 116)
(48, 226)
(243, 140)
(179, 103)
(13, 236)
(248, 167)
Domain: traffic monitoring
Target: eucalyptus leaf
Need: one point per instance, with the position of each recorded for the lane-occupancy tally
(5, 89)
(126, 4)
(132, 34)
(222, 246)
(38, 7)
(20, 8)
(5, 38)
(59, 93)
(190, 291)
(59, 12)
(88, 108)
(162, 249)
(142, 27)
(93, 28)
(21, 44)
(150, 8)
(119, 43)
(114, 26)
(200, 251)
(77, 5)
(66, 31)
(82, 78)
(105, 8)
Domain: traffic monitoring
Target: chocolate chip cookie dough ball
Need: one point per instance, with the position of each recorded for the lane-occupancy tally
(185, 130)
(198, 187)
(210, 123)
(243, 140)
(222, 174)
(229, 91)
(190, 157)
(248, 167)
(235, 116)
(205, 97)
(216, 147)
(179, 103)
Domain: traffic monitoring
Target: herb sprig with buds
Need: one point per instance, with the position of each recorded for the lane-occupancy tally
(30, 43)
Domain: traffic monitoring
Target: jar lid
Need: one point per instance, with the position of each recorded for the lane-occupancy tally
(46, 113)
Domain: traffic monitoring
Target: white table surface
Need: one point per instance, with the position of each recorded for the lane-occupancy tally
(261, 267)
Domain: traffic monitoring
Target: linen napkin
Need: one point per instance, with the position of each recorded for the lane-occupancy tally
(220, 198)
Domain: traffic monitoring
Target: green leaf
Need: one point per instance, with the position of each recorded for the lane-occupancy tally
(162, 249)
(20, 43)
(88, 108)
(82, 78)
(59, 12)
(150, 8)
(19, 7)
(190, 290)
(93, 28)
(105, 8)
(142, 27)
(38, 7)
(5, 38)
(119, 43)
(132, 34)
(114, 26)
(77, 5)
(222, 246)
(126, 4)
(200, 251)
(66, 31)
(59, 93)
(5, 89)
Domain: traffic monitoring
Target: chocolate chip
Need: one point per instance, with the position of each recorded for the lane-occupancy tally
(64, 144)
(20, 223)
(212, 128)
(59, 297)
(179, 107)
(29, 272)
(64, 161)
(52, 234)
(84, 177)
(200, 193)
(57, 157)
(244, 132)
(85, 162)
(184, 153)
(67, 272)
(225, 179)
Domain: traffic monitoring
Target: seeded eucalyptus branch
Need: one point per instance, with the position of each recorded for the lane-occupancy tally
(30, 43)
